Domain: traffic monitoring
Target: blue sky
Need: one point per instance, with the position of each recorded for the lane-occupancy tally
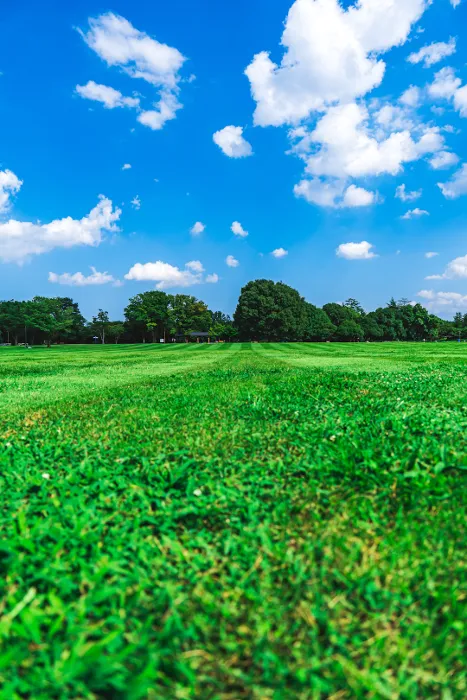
(311, 145)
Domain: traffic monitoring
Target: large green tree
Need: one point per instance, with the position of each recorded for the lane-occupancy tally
(188, 314)
(270, 311)
(149, 312)
(54, 318)
(318, 325)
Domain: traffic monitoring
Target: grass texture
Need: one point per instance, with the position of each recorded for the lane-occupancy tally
(223, 522)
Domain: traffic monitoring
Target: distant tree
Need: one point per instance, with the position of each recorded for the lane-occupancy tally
(100, 324)
(220, 317)
(371, 328)
(51, 316)
(337, 313)
(149, 312)
(13, 319)
(270, 311)
(318, 325)
(355, 306)
(115, 330)
(349, 330)
(188, 314)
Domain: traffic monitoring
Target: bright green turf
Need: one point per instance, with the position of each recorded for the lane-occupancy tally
(233, 521)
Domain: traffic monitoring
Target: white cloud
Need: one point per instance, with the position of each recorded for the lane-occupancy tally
(126, 166)
(109, 97)
(238, 230)
(230, 140)
(434, 53)
(443, 159)
(212, 279)
(333, 193)
(411, 97)
(347, 147)
(404, 196)
(431, 255)
(455, 3)
(446, 86)
(357, 197)
(10, 185)
(166, 275)
(457, 185)
(197, 228)
(140, 56)
(443, 301)
(356, 251)
(136, 202)
(415, 213)
(330, 54)
(455, 270)
(279, 253)
(79, 280)
(165, 109)
(195, 266)
(21, 239)
(231, 261)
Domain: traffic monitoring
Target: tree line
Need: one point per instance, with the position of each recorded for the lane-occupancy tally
(266, 311)
(149, 317)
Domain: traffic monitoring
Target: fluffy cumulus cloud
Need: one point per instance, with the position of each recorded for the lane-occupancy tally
(79, 280)
(455, 3)
(455, 270)
(238, 230)
(231, 142)
(405, 196)
(168, 276)
(457, 185)
(332, 58)
(108, 96)
(439, 302)
(415, 214)
(333, 193)
(140, 56)
(345, 144)
(433, 53)
(356, 251)
(136, 203)
(126, 166)
(230, 261)
(443, 160)
(411, 97)
(21, 239)
(431, 254)
(279, 253)
(195, 266)
(330, 55)
(10, 185)
(197, 228)
(447, 86)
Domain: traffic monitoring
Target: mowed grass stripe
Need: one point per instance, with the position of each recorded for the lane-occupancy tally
(364, 357)
(46, 378)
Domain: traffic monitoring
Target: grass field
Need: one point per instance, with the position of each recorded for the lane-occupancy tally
(233, 521)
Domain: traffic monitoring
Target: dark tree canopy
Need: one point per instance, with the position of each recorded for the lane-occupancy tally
(270, 311)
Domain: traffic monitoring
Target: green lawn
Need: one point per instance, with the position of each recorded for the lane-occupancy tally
(233, 521)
